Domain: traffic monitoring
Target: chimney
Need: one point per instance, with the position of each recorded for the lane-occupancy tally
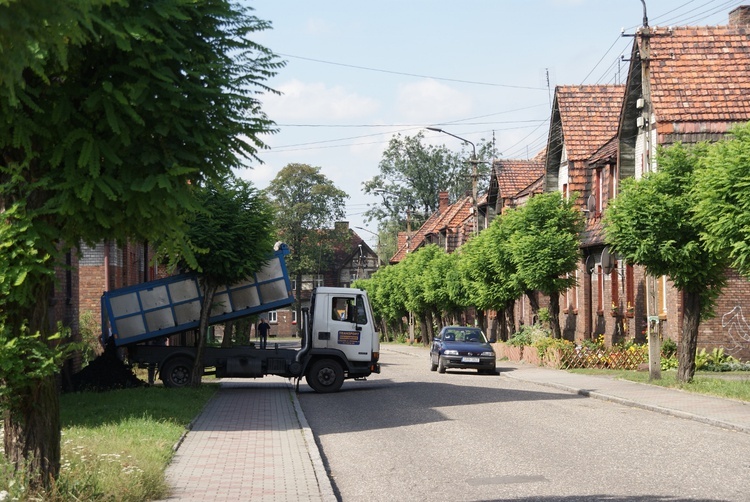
(341, 226)
(740, 17)
(442, 202)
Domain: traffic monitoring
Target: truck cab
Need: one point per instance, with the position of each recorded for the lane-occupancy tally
(341, 341)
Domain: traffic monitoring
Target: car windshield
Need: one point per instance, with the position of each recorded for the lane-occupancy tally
(464, 335)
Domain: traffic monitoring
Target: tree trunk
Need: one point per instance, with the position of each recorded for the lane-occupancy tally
(510, 317)
(691, 318)
(493, 328)
(31, 435)
(209, 291)
(554, 315)
(228, 334)
(481, 320)
(533, 302)
(423, 327)
(32, 432)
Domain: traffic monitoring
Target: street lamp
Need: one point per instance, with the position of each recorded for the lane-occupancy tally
(474, 174)
(376, 235)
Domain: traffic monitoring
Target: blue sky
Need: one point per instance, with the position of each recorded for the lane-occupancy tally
(360, 72)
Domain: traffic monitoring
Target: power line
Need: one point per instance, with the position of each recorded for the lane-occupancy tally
(411, 74)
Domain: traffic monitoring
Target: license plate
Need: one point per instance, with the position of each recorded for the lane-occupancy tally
(469, 359)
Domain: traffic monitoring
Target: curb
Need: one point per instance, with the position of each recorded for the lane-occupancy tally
(636, 404)
(324, 482)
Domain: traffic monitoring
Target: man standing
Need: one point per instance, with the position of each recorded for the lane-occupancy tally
(263, 329)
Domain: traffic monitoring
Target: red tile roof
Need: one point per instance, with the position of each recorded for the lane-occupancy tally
(452, 221)
(700, 75)
(589, 115)
(514, 176)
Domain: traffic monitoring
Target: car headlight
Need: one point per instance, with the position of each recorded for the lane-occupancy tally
(450, 353)
(488, 353)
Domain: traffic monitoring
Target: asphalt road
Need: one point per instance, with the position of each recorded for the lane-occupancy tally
(412, 434)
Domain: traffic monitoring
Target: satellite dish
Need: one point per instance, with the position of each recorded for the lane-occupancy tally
(607, 261)
(591, 205)
(590, 264)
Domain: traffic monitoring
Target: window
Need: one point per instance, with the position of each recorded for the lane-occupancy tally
(349, 309)
(598, 191)
(311, 281)
(294, 316)
(630, 288)
(273, 317)
(661, 296)
(612, 186)
(571, 296)
(615, 276)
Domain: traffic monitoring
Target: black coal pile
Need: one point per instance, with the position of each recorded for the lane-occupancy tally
(106, 372)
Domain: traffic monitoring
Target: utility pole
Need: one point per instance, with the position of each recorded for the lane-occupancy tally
(654, 344)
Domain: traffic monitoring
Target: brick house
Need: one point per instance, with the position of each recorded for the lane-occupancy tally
(684, 84)
(584, 118)
(449, 227)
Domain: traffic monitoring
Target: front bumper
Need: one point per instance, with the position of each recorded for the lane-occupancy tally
(460, 362)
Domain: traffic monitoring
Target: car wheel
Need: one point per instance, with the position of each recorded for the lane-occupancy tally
(177, 372)
(433, 366)
(325, 375)
(441, 365)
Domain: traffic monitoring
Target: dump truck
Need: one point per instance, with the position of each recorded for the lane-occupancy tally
(338, 341)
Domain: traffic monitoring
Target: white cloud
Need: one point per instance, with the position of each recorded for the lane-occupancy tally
(429, 100)
(314, 101)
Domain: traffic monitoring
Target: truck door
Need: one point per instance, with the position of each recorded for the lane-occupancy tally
(350, 327)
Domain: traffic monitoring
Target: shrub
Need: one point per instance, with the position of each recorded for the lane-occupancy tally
(89, 329)
(668, 348)
(528, 335)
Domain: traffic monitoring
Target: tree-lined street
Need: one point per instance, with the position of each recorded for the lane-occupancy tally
(414, 434)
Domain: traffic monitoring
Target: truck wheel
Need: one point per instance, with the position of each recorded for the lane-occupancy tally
(325, 375)
(177, 372)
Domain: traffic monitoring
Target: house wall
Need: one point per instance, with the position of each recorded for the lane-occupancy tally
(729, 329)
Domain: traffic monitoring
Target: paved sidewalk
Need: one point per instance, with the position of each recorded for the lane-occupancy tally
(250, 443)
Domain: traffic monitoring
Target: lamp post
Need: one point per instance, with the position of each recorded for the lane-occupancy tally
(474, 174)
(376, 235)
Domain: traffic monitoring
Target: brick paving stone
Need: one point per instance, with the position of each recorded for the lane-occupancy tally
(250, 443)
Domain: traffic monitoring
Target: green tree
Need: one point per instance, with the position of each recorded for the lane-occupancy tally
(489, 274)
(651, 223)
(412, 174)
(306, 205)
(234, 237)
(114, 112)
(543, 241)
(722, 195)
(416, 269)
